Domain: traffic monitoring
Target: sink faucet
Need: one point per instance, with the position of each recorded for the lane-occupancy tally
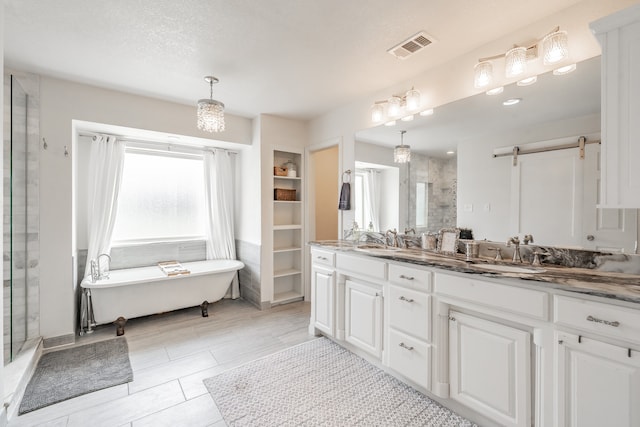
(528, 238)
(409, 230)
(516, 251)
(394, 237)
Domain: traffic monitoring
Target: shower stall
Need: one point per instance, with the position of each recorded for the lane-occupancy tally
(20, 237)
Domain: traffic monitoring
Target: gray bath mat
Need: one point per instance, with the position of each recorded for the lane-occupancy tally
(320, 383)
(64, 374)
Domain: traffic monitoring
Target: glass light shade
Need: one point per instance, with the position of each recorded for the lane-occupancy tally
(407, 118)
(555, 47)
(515, 61)
(377, 113)
(495, 91)
(393, 106)
(390, 123)
(210, 115)
(402, 154)
(412, 100)
(483, 74)
(428, 112)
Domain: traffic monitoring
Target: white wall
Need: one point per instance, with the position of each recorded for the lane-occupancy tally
(483, 179)
(454, 80)
(64, 101)
(3, 411)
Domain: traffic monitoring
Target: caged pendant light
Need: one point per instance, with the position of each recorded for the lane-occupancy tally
(210, 111)
(402, 153)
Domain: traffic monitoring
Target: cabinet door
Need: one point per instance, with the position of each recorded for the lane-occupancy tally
(322, 302)
(363, 317)
(598, 383)
(489, 368)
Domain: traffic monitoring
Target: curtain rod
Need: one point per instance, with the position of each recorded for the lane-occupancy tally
(149, 141)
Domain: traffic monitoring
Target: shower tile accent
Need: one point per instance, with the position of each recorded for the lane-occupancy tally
(250, 287)
(26, 301)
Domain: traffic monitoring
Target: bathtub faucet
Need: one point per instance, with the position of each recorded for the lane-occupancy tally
(96, 272)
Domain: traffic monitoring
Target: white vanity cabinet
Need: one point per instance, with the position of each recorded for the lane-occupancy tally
(597, 367)
(490, 339)
(489, 368)
(409, 323)
(323, 292)
(363, 316)
(619, 36)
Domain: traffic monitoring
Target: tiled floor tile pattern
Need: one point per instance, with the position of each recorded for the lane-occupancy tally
(170, 355)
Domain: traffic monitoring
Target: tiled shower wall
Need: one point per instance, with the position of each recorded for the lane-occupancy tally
(441, 178)
(25, 310)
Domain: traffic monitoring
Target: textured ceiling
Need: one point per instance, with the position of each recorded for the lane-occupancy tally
(295, 58)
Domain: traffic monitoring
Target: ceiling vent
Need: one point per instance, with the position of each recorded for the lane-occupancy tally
(411, 45)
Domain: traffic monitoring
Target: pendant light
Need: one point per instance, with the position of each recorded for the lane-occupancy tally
(210, 111)
(402, 153)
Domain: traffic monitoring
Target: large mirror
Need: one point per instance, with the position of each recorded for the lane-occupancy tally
(455, 179)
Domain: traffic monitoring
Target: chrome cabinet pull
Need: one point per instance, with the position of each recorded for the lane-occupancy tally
(322, 258)
(402, 298)
(408, 347)
(402, 276)
(615, 323)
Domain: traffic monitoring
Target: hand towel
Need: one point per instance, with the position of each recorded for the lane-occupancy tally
(345, 197)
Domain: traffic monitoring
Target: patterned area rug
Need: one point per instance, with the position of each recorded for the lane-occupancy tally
(320, 383)
(63, 374)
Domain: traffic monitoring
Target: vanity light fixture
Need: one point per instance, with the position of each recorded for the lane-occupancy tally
(390, 123)
(210, 111)
(407, 118)
(512, 101)
(495, 91)
(428, 112)
(450, 152)
(402, 153)
(564, 70)
(396, 106)
(553, 48)
(528, 81)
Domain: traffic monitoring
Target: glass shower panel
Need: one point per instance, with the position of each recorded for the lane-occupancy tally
(17, 222)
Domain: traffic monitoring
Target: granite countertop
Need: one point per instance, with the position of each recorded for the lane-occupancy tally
(619, 286)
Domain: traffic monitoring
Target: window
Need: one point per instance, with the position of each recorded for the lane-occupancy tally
(161, 197)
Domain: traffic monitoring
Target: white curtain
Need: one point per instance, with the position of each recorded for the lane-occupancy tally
(218, 181)
(372, 198)
(105, 174)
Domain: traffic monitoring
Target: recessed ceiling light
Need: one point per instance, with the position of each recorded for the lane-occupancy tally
(512, 101)
(564, 70)
(391, 123)
(451, 152)
(495, 91)
(428, 112)
(528, 81)
(407, 118)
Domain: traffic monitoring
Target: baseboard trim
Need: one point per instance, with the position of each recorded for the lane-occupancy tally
(59, 341)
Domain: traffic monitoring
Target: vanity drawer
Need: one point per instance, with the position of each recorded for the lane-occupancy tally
(410, 311)
(408, 276)
(364, 266)
(505, 297)
(410, 357)
(603, 319)
(318, 256)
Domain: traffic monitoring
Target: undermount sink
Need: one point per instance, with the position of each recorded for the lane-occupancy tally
(501, 268)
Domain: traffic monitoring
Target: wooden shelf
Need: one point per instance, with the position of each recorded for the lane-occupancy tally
(287, 227)
(285, 273)
(288, 249)
(285, 297)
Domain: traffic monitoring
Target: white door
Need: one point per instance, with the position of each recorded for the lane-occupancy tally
(598, 384)
(604, 229)
(546, 197)
(322, 302)
(489, 368)
(363, 317)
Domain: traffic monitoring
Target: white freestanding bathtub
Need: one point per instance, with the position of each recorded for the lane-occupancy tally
(135, 292)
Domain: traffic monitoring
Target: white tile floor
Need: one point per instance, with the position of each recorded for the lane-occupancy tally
(170, 355)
